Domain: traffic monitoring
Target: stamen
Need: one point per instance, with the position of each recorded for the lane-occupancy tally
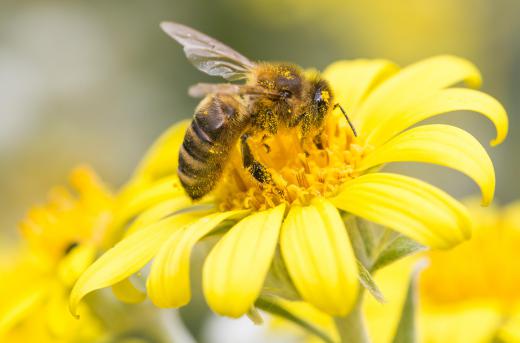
(305, 164)
(300, 172)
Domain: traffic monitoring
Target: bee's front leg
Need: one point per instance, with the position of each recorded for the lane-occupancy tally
(317, 140)
(255, 168)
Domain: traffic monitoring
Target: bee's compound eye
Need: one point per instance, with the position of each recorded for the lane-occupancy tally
(285, 94)
(318, 96)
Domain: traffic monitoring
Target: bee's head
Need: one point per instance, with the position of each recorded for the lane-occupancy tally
(321, 97)
(283, 79)
(289, 82)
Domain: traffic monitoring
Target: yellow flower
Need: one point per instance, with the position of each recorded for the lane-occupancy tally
(62, 238)
(477, 284)
(299, 222)
(467, 294)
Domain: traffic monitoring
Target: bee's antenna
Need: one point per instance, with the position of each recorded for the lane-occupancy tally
(346, 117)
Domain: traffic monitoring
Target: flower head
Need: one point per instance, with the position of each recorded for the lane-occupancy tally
(466, 294)
(298, 219)
(478, 279)
(62, 237)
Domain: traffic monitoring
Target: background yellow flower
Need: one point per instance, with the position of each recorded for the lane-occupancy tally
(467, 294)
(476, 284)
(62, 237)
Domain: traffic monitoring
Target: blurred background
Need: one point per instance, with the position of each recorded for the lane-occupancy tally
(97, 81)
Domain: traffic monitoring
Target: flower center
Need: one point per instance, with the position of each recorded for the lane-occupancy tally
(301, 169)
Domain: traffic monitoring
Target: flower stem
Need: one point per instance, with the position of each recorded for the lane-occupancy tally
(173, 327)
(351, 328)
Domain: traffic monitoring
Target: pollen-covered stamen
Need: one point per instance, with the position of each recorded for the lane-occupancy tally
(300, 169)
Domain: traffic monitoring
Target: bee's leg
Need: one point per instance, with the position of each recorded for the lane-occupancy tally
(318, 141)
(346, 117)
(297, 120)
(257, 170)
(266, 146)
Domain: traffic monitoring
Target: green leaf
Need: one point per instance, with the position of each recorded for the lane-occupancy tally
(366, 281)
(270, 305)
(394, 250)
(406, 330)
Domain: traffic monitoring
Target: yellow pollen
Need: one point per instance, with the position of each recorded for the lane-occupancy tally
(287, 74)
(300, 169)
(325, 96)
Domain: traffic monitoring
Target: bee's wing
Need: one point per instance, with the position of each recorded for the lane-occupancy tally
(208, 54)
(202, 89)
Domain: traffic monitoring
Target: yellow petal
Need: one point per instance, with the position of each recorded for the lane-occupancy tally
(157, 212)
(412, 84)
(60, 326)
(319, 257)
(126, 292)
(235, 269)
(90, 187)
(137, 199)
(510, 331)
(407, 205)
(443, 101)
(124, 259)
(351, 80)
(162, 158)
(15, 310)
(169, 280)
(468, 321)
(440, 144)
(75, 262)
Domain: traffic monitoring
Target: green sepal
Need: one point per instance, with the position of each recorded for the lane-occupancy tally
(396, 248)
(255, 316)
(369, 284)
(363, 236)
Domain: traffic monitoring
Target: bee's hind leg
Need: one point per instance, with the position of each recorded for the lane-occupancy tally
(255, 168)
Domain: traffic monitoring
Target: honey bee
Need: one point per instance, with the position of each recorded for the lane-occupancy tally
(274, 95)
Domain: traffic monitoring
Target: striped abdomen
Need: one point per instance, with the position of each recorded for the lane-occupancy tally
(218, 123)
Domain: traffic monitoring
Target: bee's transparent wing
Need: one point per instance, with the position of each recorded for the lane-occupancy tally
(202, 89)
(209, 55)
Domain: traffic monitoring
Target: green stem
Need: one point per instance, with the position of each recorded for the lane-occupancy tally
(351, 328)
